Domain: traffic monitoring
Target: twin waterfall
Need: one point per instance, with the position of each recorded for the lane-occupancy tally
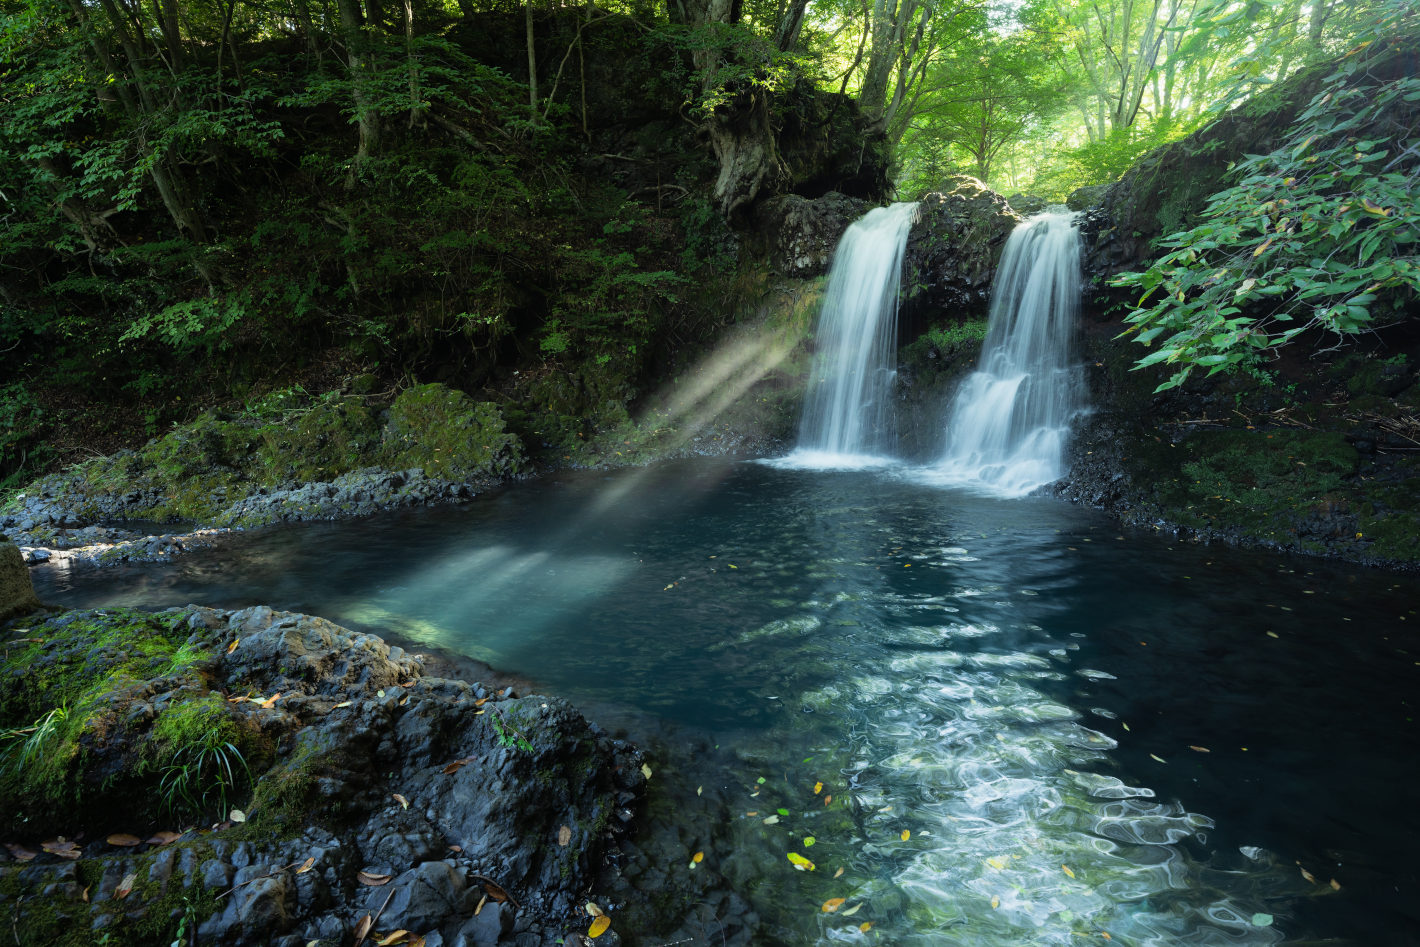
(1008, 425)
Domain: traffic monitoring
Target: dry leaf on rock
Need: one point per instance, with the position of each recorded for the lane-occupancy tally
(125, 887)
(400, 799)
(564, 836)
(372, 879)
(163, 837)
(599, 926)
(123, 840)
(396, 937)
(362, 929)
(307, 865)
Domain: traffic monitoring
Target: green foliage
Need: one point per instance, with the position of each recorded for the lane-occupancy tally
(24, 748)
(195, 745)
(1321, 234)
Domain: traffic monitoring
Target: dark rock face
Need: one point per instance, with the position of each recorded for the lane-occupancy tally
(952, 254)
(436, 805)
(800, 233)
(17, 595)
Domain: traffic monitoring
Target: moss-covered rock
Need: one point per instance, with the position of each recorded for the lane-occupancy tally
(17, 595)
(449, 435)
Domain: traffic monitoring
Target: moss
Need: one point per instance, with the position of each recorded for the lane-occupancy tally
(449, 435)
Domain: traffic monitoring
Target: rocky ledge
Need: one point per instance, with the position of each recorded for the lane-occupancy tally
(259, 777)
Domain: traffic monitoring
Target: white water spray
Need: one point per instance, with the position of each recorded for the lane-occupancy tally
(847, 417)
(1011, 418)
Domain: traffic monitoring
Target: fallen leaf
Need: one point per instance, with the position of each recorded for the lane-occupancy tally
(772, 820)
(363, 929)
(564, 836)
(481, 902)
(1309, 876)
(267, 704)
(827, 800)
(699, 790)
(832, 904)
(455, 848)
(1068, 872)
(237, 815)
(233, 646)
(999, 862)
(124, 840)
(85, 894)
(1335, 885)
(457, 765)
(800, 862)
(164, 837)
(1158, 758)
(306, 865)
(818, 788)
(1199, 749)
(495, 892)
(344, 703)
(809, 841)
(480, 702)
(645, 771)
(594, 910)
(61, 847)
(865, 926)
(125, 887)
(838, 873)
(372, 879)
(853, 910)
(906, 834)
(698, 857)
(19, 852)
(995, 902)
(400, 799)
(599, 926)
(396, 937)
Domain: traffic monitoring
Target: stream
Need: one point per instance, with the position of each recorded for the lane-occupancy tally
(1035, 728)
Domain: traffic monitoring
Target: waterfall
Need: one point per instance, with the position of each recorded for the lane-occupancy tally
(847, 418)
(1010, 420)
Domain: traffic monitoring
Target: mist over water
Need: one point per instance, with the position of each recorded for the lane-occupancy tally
(1009, 422)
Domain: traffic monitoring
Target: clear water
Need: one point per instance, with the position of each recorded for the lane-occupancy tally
(1016, 685)
(1010, 419)
(847, 421)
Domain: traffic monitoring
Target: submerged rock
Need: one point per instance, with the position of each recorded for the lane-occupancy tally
(366, 789)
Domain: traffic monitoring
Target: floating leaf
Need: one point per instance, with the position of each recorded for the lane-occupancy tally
(124, 840)
(800, 862)
(832, 904)
(372, 879)
(1068, 872)
(1309, 876)
(865, 926)
(599, 926)
(809, 841)
(1199, 749)
(306, 865)
(818, 788)
(1335, 885)
(564, 836)
(853, 910)
(838, 873)
(906, 834)
(404, 803)
(1158, 758)
(646, 770)
(697, 858)
(999, 862)
(827, 800)
(995, 902)
(1261, 920)
(699, 790)
(772, 820)
(760, 781)
(237, 815)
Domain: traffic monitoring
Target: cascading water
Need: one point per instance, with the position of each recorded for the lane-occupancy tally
(1011, 418)
(847, 419)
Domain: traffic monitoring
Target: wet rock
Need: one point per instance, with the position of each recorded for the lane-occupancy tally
(802, 233)
(17, 595)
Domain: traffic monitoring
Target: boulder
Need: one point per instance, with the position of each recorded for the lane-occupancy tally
(17, 595)
(799, 234)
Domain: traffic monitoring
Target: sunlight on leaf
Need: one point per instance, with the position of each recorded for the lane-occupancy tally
(800, 862)
(832, 904)
(599, 926)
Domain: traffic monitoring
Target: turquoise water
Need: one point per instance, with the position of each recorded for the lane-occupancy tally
(1081, 731)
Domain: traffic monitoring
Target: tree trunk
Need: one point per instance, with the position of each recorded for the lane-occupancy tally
(366, 115)
(532, 60)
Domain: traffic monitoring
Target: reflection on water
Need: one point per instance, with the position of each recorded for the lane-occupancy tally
(1033, 730)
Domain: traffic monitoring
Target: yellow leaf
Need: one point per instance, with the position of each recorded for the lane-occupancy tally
(233, 646)
(307, 865)
(400, 799)
(599, 926)
(1263, 247)
(237, 815)
(906, 834)
(818, 788)
(995, 902)
(865, 926)
(343, 703)
(1335, 885)
(999, 862)
(853, 910)
(800, 862)
(698, 857)
(1068, 872)
(838, 873)
(645, 771)
(398, 937)
(832, 904)
(481, 902)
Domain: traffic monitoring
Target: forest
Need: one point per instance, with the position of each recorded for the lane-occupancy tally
(205, 202)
